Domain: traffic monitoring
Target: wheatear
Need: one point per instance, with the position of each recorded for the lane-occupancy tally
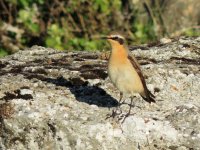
(124, 71)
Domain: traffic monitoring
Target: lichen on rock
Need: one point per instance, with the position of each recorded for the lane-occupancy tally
(59, 100)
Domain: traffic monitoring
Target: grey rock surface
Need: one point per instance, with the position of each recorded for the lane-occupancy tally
(59, 100)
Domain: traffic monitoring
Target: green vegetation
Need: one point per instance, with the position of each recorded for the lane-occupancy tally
(3, 52)
(75, 24)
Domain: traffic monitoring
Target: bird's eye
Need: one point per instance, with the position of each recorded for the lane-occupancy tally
(115, 38)
(118, 39)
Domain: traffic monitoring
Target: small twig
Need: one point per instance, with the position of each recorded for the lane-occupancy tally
(73, 23)
(149, 11)
(82, 23)
(164, 29)
(7, 11)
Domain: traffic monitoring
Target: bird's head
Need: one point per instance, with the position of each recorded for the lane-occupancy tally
(115, 39)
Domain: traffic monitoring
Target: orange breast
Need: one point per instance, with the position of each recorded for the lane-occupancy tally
(122, 73)
(118, 55)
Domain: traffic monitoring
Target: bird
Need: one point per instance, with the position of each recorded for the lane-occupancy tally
(124, 71)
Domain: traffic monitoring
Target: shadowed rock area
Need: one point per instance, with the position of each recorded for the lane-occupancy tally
(59, 100)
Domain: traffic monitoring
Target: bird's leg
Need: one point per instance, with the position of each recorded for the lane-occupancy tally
(129, 111)
(120, 99)
(115, 110)
(131, 104)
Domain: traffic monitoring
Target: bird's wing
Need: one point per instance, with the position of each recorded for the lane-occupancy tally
(149, 96)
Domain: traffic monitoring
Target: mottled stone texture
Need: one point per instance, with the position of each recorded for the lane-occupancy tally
(59, 100)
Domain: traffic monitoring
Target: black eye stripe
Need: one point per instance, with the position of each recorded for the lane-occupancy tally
(115, 38)
(120, 40)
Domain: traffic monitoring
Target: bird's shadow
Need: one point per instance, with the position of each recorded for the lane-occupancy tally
(82, 91)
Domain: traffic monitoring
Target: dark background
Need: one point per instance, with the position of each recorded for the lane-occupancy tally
(75, 24)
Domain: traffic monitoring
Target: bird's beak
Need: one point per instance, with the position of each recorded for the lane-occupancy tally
(105, 37)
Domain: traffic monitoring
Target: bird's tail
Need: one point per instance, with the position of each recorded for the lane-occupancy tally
(149, 97)
(151, 94)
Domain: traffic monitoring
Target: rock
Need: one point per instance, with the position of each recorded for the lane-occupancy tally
(60, 100)
(26, 91)
(165, 40)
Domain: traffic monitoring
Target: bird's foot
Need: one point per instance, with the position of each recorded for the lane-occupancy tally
(115, 112)
(118, 114)
(123, 117)
(121, 103)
